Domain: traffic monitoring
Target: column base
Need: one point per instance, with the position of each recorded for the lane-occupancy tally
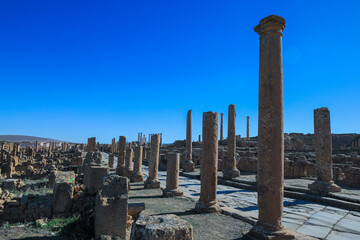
(229, 173)
(167, 192)
(188, 166)
(119, 171)
(127, 172)
(152, 183)
(137, 177)
(323, 187)
(210, 207)
(263, 232)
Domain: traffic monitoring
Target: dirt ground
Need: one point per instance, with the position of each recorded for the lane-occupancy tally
(206, 226)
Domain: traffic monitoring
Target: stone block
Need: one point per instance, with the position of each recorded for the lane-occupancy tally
(162, 227)
(111, 207)
(63, 192)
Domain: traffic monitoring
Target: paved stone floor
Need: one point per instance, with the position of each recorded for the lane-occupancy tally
(312, 219)
(309, 218)
(346, 191)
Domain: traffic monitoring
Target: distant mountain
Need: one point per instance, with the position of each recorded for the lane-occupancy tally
(22, 138)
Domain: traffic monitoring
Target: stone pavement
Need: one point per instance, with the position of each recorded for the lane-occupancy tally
(299, 184)
(309, 218)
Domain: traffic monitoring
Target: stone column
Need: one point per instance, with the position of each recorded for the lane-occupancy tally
(36, 146)
(209, 163)
(121, 155)
(247, 128)
(270, 175)
(91, 144)
(160, 139)
(323, 154)
(222, 127)
(111, 160)
(188, 165)
(128, 162)
(137, 175)
(172, 176)
(229, 163)
(199, 138)
(153, 181)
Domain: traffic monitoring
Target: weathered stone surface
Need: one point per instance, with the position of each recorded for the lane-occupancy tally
(207, 201)
(63, 192)
(188, 165)
(172, 177)
(134, 209)
(127, 171)
(111, 160)
(137, 175)
(121, 155)
(12, 184)
(93, 177)
(162, 227)
(323, 154)
(153, 180)
(271, 131)
(229, 163)
(112, 207)
(91, 144)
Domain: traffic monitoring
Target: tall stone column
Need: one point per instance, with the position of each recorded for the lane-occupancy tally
(137, 175)
(121, 155)
(36, 146)
(323, 154)
(209, 163)
(172, 176)
(153, 180)
(91, 144)
(247, 128)
(128, 162)
(222, 127)
(270, 176)
(188, 165)
(199, 138)
(229, 163)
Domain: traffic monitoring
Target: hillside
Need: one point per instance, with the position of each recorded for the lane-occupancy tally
(22, 138)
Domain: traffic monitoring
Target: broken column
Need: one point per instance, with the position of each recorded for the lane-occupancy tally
(229, 163)
(128, 163)
(162, 227)
(111, 209)
(137, 175)
(247, 128)
(209, 163)
(172, 176)
(323, 154)
(153, 181)
(270, 175)
(222, 127)
(91, 144)
(121, 155)
(111, 160)
(188, 165)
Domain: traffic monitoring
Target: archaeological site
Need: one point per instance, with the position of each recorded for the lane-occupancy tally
(249, 161)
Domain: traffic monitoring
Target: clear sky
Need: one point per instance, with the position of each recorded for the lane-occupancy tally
(70, 70)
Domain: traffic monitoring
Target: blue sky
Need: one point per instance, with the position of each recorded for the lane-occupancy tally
(71, 70)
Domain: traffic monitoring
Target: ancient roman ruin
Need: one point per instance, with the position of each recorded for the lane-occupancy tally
(291, 186)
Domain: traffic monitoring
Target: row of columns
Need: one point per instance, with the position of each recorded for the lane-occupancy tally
(270, 174)
(222, 127)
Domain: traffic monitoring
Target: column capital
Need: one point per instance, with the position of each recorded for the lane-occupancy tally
(270, 24)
